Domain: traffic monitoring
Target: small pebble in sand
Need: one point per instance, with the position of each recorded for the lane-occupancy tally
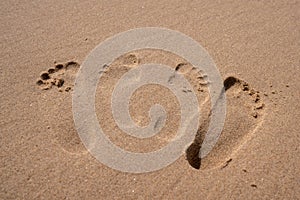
(254, 114)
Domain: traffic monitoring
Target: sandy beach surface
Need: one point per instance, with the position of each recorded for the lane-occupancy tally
(255, 46)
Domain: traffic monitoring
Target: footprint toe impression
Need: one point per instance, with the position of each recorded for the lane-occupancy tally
(60, 76)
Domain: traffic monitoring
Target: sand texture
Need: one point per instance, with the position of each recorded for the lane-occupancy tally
(254, 44)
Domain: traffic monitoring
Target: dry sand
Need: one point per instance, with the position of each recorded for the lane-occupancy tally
(255, 45)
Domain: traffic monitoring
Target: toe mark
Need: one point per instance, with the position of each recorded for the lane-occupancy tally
(230, 81)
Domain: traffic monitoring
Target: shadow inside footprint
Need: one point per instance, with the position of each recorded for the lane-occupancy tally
(244, 113)
(192, 155)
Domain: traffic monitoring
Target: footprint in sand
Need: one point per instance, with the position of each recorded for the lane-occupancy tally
(62, 77)
(245, 112)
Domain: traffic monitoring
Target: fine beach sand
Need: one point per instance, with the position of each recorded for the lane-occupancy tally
(256, 48)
